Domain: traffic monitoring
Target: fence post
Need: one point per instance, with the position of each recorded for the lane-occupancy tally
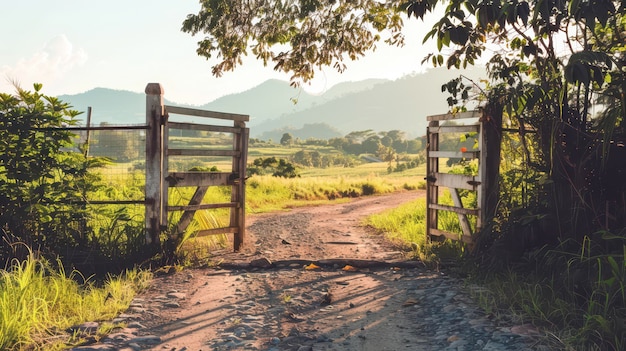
(237, 215)
(432, 168)
(491, 134)
(154, 161)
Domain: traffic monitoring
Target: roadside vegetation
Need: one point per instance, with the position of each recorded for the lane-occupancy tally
(39, 300)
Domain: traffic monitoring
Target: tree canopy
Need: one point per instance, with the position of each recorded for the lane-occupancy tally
(295, 36)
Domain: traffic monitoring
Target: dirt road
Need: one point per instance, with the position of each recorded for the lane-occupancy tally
(314, 279)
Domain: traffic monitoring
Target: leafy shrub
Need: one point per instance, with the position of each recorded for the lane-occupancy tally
(277, 167)
(43, 173)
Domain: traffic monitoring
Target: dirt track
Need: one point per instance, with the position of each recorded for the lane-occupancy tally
(328, 305)
(362, 293)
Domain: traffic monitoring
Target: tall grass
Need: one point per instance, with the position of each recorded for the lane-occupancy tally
(266, 193)
(577, 292)
(37, 300)
(406, 225)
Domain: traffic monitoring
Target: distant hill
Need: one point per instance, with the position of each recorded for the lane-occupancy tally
(377, 104)
(274, 98)
(402, 104)
(307, 131)
(111, 106)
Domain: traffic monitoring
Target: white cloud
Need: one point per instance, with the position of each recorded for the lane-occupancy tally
(47, 66)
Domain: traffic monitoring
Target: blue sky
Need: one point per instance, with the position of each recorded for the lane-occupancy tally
(72, 46)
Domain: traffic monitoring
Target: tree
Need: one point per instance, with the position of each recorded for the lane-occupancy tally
(387, 154)
(276, 167)
(286, 139)
(414, 146)
(371, 144)
(296, 36)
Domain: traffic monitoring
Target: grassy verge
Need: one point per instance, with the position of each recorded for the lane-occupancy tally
(576, 296)
(37, 301)
(575, 293)
(406, 225)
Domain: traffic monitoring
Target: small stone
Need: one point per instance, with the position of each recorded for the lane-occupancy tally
(137, 310)
(275, 341)
(453, 338)
(262, 262)
(176, 295)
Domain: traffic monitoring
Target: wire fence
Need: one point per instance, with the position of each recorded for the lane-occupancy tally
(124, 149)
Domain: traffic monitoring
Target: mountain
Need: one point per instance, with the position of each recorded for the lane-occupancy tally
(271, 99)
(402, 104)
(377, 104)
(110, 106)
(274, 98)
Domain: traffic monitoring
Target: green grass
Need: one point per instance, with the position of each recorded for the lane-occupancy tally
(37, 301)
(266, 193)
(406, 225)
(577, 297)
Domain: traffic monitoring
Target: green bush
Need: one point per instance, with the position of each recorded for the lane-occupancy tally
(43, 173)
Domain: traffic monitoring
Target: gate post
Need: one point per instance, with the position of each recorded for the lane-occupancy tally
(491, 139)
(238, 192)
(154, 161)
(432, 168)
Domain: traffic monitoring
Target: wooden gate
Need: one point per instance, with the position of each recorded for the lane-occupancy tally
(454, 182)
(159, 178)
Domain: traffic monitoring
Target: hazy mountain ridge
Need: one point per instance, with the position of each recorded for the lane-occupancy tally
(377, 104)
(274, 98)
(110, 106)
(402, 104)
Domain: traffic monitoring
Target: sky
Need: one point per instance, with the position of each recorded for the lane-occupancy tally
(72, 46)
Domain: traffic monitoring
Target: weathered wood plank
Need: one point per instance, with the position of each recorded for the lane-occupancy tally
(452, 236)
(457, 129)
(202, 152)
(449, 116)
(203, 206)
(454, 154)
(457, 181)
(178, 179)
(205, 127)
(187, 216)
(203, 113)
(216, 231)
(154, 146)
(432, 168)
(238, 192)
(465, 211)
(465, 224)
